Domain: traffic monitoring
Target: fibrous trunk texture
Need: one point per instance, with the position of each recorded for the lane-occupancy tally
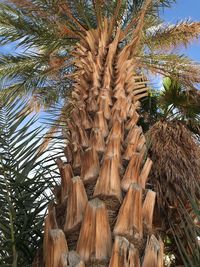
(103, 214)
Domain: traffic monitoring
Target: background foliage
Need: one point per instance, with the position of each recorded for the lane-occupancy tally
(26, 177)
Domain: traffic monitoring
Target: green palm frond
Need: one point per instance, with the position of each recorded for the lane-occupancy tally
(94, 9)
(173, 94)
(187, 232)
(150, 111)
(176, 66)
(24, 179)
(184, 101)
(35, 75)
(170, 36)
(27, 29)
(19, 66)
(64, 21)
(174, 100)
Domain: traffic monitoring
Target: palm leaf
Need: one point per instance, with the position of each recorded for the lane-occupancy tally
(170, 36)
(186, 234)
(23, 183)
(176, 66)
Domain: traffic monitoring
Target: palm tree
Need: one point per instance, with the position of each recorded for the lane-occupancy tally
(103, 209)
(174, 101)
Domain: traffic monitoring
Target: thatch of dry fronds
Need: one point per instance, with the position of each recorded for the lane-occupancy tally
(176, 163)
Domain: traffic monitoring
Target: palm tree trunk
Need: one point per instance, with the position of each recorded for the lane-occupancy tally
(103, 215)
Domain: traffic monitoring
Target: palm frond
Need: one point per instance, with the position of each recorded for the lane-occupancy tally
(174, 101)
(181, 100)
(47, 31)
(186, 233)
(136, 10)
(38, 76)
(24, 181)
(56, 119)
(27, 29)
(176, 66)
(172, 36)
(16, 66)
(150, 111)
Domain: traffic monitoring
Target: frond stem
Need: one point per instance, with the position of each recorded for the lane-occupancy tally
(11, 224)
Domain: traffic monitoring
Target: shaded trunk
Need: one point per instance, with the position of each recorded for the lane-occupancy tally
(103, 215)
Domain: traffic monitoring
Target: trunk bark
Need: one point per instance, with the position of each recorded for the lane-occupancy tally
(103, 213)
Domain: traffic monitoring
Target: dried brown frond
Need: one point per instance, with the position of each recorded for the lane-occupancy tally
(176, 164)
(144, 9)
(117, 10)
(48, 138)
(68, 12)
(139, 28)
(23, 3)
(116, 19)
(98, 5)
(170, 36)
(139, 19)
(64, 30)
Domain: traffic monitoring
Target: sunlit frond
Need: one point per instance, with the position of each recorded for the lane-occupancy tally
(170, 36)
(177, 66)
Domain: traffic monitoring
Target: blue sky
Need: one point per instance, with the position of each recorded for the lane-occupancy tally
(182, 10)
(185, 9)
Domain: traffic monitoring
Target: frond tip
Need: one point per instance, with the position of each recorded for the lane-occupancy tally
(177, 66)
(171, 36)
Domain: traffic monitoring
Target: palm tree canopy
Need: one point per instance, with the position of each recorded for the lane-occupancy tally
(175, 101)
(48, 32)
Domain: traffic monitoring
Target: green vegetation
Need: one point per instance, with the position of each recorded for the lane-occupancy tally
(26, 175)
